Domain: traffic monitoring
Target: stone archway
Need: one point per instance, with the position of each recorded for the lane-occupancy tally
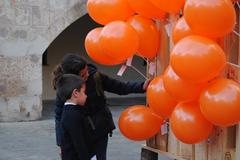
(71, 40)
(27, 29)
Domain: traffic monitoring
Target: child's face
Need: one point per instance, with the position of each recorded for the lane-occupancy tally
(81, 96)
(84, 73)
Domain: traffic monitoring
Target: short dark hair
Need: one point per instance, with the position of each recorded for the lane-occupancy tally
(66, 84)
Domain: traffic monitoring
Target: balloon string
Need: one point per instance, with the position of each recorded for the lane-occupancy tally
(238, 4)
(236, 33)
(134, 68)
(230, 42)
(145, 59)
(235, 65)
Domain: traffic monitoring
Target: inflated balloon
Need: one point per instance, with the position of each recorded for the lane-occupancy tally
(94, 50)
(171, 6)
(210, 18)
(146, 9)
(148, 35)
(220, 102)
(139, 123)
(181, 30)
(188, 124)
(197, 59)
(159, 100)
(180, 89)
(105, 11)
(119, 40)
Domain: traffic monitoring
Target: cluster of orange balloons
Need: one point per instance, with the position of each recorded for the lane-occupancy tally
(212, 19)
(124, 33)
(130, 28)
(193, 109)
(190, 92)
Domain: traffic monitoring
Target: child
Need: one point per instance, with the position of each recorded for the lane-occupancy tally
(71, 89)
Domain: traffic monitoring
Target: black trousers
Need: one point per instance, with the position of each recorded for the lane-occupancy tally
(101, 148)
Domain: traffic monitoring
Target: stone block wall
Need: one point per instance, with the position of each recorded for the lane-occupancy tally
(27, 29)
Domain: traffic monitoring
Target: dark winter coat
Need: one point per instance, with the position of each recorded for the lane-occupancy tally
(74, 139)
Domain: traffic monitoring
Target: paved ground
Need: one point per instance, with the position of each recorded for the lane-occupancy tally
(36, 140)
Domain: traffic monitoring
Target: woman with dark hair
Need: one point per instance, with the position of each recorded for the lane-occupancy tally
(98, 122)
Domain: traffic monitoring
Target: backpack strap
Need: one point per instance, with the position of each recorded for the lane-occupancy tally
(98, 82)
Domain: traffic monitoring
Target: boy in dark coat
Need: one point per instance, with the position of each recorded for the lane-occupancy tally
(71, 89)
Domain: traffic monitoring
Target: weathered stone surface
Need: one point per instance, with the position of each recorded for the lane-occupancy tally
(21, 108)
(4, 32)
(27, 28)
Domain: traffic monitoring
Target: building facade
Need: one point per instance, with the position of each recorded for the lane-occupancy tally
(27, 29)
(34, 36)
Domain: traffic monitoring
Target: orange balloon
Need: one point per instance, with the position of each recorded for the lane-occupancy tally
(197, 59)
(148, 35)
(160, 101)
(210, 18)
(181, 30)
(180, 89)
(105, 11)
(139, 123)
(188, 124)
(220, 102)
(146, 9)
(94, 50)
(119, 40)
(171, 6)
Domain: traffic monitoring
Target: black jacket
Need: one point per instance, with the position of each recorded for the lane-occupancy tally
(74, 141)
(95, 106)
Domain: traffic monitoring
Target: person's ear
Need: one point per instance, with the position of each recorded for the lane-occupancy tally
(75, 92)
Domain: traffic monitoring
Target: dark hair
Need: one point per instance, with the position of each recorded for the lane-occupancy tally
(66, 84)
(70, 64)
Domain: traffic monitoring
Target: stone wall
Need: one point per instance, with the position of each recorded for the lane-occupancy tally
(27, 28)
